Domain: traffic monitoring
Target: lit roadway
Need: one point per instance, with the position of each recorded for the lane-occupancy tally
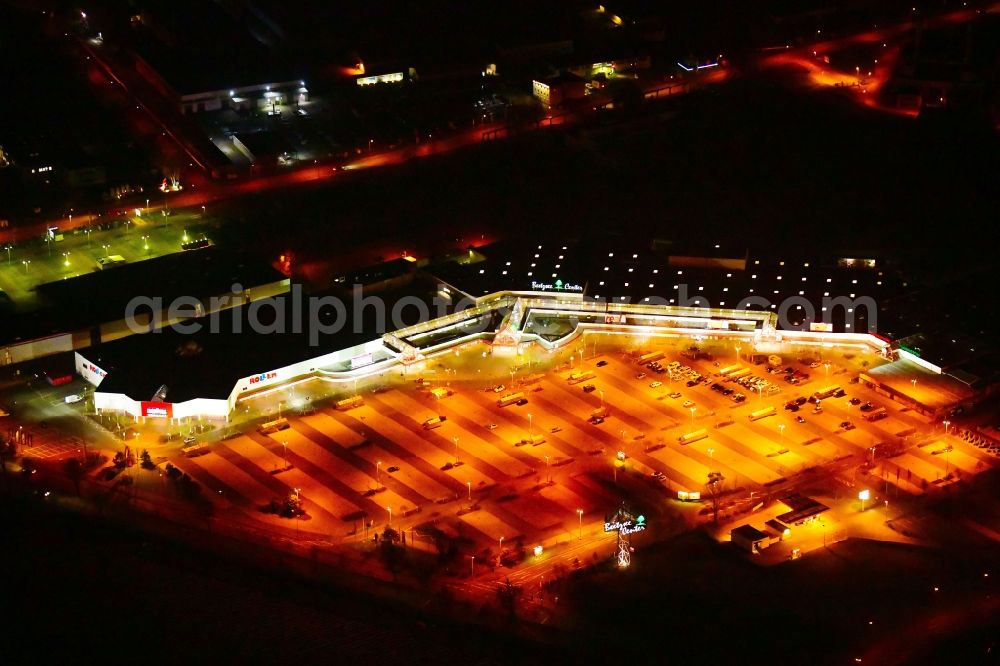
(157, 122)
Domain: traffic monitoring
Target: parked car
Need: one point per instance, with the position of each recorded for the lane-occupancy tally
(601, 364)
(655, 384)
(589, 388)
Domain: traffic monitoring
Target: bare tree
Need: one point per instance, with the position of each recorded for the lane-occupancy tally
(715, 488)
(508, 595)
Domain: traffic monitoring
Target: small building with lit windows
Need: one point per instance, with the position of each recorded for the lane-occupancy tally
(750, 539)
(554, 91)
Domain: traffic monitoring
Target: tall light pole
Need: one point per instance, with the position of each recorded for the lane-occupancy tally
(455, 439)
(692, 414)
(711, 453)
(469, 484)
(501, 546)
(781, 431)
(529, 425)
(378, 473)
(8, 248)
(579, 513)
(472, 564)
(602, 399)
(284, 452)
(389, 508)
(946, 424)
(738, 352)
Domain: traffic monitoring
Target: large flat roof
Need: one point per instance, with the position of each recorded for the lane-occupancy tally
(103, 295)
(207, 364)
(931, 389)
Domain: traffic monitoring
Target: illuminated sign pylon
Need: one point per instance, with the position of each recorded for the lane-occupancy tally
(625, 524)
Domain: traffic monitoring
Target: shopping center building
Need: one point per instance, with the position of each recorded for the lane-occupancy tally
(436, 308)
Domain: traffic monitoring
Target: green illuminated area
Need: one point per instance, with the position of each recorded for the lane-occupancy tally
(27, 264)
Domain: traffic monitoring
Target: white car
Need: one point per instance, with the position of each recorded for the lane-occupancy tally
(688, 403)
(655, 384)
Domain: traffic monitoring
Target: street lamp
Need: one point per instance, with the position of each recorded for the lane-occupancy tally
(107, 250)
(781, 431)
(501, 546)
(469, 484)
(66, 259)
(529, 425)
(579, 512)
(378, 474)
(602, 398)
(946, 424)
(692, 414)
(738, 352)
(284, 452)
(455, 439)
(147, 206)
(864, 496)
(472, 572)
(9, 247)
(390, 515)
(711, 453)
(26, 262)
